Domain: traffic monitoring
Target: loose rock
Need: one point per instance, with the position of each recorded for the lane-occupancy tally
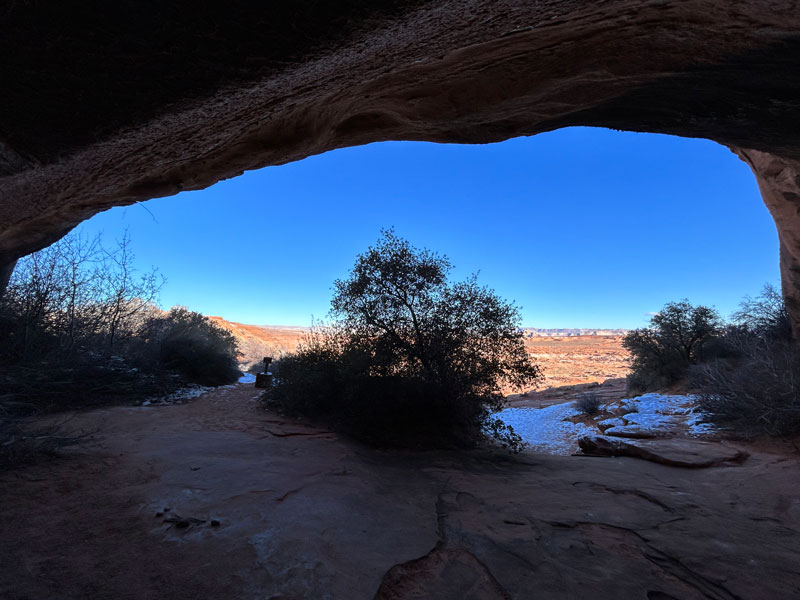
(676, 452)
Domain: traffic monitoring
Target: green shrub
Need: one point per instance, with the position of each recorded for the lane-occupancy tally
(679, 335)
(411, 360)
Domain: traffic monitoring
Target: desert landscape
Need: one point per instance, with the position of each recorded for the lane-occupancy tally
(390, 457)
(589, 160)
(209, 494)
(579, 359)
(566, 359)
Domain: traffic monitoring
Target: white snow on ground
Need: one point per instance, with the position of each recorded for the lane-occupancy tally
(193, 391)
(697, 423)
(190, 391)
(545, 428)
(659, 412)
(612, 422)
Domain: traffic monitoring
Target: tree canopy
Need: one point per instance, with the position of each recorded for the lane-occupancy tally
(676, 338)
(406, 340)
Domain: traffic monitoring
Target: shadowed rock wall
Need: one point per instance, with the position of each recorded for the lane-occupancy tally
(113, 105)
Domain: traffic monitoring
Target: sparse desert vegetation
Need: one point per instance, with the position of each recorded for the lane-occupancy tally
(80, 328)
(588, 403)
(564, 361)
(680, 335)
(745, 371)
(580, 359)
(753, 385)
(254, 342)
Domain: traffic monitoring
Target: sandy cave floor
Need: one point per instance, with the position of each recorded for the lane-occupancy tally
(262, 507)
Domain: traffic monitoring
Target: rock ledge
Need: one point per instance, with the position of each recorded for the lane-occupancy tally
(676, 452)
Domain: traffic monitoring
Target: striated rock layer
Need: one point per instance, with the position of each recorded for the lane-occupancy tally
(143, 100)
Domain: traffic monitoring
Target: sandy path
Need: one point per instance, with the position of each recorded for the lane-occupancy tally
(304, 514)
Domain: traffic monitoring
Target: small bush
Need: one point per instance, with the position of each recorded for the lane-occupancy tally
(255, 367)
(588, 403)
(637, 384)
(755, 387)
(759, 392)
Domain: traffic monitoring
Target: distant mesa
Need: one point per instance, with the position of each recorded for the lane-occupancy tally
(562, 332)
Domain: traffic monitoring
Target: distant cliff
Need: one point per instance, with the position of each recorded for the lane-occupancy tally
(561, 332)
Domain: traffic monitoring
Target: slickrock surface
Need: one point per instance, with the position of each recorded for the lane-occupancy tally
(676, 452)
(217, 499)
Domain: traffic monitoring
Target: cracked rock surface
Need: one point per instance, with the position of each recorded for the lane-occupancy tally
(675, 452)
(269, 508)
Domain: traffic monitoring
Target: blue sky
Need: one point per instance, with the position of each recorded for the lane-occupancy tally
(580, 227)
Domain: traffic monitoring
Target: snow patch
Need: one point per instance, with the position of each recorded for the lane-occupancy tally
(546, 429)
(659, 413)
(186, 393)
(612, 422)
(550, 431)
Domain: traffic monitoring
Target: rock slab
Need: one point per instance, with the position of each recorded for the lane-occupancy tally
(676, 452)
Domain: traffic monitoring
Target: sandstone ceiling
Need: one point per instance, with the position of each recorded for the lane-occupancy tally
(106, 104)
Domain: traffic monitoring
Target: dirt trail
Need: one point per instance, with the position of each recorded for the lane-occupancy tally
(262, 507)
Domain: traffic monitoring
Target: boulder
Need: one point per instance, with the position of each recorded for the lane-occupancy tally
(630, 431)
(675, 452)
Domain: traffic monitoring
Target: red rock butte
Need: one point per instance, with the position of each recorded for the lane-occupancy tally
(108, 106)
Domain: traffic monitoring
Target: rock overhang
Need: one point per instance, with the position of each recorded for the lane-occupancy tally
(106, 106)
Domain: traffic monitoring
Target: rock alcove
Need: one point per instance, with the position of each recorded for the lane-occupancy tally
(143, 100)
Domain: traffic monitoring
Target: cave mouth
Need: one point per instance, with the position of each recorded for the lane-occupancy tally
(583, 227)
(156, 101)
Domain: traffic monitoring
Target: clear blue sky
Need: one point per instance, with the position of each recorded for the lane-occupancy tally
(580, 227)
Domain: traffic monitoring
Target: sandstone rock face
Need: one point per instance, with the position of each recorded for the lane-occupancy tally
(147, 101)
(301, 513)
(675, 452)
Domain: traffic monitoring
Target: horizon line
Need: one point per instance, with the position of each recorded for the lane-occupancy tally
(528, 327)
